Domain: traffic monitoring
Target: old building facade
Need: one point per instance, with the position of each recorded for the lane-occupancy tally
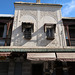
(42, 16)
(41, 41)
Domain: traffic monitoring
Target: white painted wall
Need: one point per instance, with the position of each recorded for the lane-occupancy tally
(39, 15)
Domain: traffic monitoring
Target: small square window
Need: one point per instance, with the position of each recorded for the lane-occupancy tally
(27, 29)
(50, 33)
(49, 29)
(27, 33)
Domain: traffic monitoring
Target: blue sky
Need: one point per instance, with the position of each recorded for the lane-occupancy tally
(68, 9)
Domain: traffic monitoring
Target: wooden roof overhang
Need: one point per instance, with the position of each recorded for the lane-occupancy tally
(68, 22)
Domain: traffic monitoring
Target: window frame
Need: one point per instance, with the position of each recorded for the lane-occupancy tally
(8, 24)
(27, 34)
(25, 26)
(50, 26)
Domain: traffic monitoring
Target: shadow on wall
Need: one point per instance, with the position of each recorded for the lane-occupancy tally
(40, 38)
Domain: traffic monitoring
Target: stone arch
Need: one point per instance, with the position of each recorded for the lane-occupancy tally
(47, 19)
(29, 14)
(28, 18)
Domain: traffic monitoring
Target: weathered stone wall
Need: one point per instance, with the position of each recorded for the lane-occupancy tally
(39, 15)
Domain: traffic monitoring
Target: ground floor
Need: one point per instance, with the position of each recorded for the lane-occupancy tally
(37, 68)
(36, 64)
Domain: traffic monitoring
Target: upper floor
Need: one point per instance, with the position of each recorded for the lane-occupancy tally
(37, 25)
(69, 28)
(6, 23)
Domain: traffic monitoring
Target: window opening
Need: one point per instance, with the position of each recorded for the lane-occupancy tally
(1, 30)
(49, 33)
(49, 29)
(70, 35)
(27, 29)
(27, 33)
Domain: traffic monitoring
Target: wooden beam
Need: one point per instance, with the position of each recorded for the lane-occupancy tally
(68, 34)
(8, 26)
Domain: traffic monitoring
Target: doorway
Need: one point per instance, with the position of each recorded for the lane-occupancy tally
(18, 68)
(37, 69)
